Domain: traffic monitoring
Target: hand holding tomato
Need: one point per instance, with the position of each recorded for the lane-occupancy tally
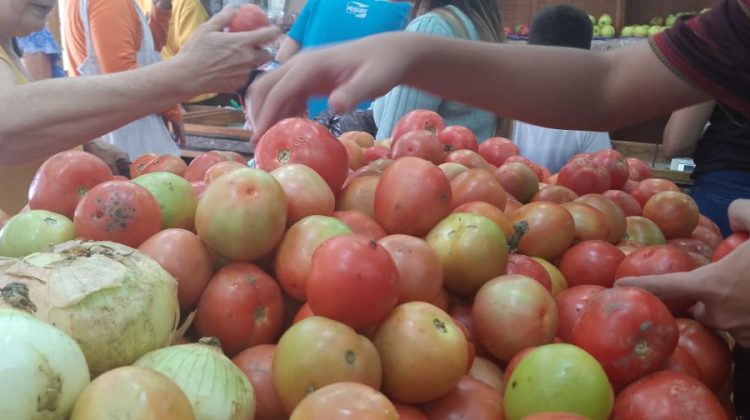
(720, 289)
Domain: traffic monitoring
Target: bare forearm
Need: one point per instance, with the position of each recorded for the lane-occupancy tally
(685, 128)
(69, 112)
(556, 87)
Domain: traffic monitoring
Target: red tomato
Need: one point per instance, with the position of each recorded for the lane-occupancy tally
(693, 245)
(628, 330)
(615, 217)
(306, 192)
(299, 140)
(197, 168)
(460, 311)
(457, 137)
(354, 153)
(669, 396)
(248, 17)
(527, 266)
(166, 163)
(614, 162)
(681, 361)
(361, 223)
(63, 179)
(729, 244)
(220, 168)
(198, 188)
(513, 363)
(408, 412)
(352, 280)
(137, 165)
(643, 231)
(570, 303)
(534, 167)
(411, 197)
(648, 187)
(555, 193)
(418, 119)
(470, 399)
(359, 194)
(495, 150)
(443, 300)
(477, 185)
(590, 222)
(584, 176)
(256, 363)
(625, 201)
(303, 313)
(638, 170)
(361, 138)
(707, 236)
(451, 169)
(518, 180)
(676, 213)
(709, 224)
(709, 351)
(551, 229)
(242, 306)
(186, 258)
(488, 372)
(420, 274)
(118, 211)
(468, 158)
(345, 400)
(419, 143)
(591, 262)
(489, 211)
(511, 205)
(371, 154)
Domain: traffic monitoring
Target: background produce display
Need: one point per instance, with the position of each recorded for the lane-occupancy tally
(423, 276)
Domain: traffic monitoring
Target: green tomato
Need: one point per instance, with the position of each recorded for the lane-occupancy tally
(558, 378)
(34, 231)
(175, 197)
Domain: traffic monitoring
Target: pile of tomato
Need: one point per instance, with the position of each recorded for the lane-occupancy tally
(426, 276)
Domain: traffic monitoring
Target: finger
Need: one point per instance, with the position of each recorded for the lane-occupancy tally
(219, 21)
(739, 215)
(263, 105)
(686, 286)
(362, 85)
(700, 313)
(256, 38)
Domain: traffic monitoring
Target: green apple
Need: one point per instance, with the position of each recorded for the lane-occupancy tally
(605, 19)
(653, 30)
(670, 20)
(597, 31)
(34, 231)
(592, 19)
(657, 20)
(607, 31)
(640, 31)
(175, 197)
(627, 31)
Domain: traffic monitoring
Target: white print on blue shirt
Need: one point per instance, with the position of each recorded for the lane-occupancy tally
(357, 9)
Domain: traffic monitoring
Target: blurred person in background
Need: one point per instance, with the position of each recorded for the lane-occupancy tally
(41, 55)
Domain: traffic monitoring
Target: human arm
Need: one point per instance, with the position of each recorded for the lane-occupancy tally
(294, 39)
(289, 47)
(38, 65)
(109, 153)
(40, 119)
(685, 128)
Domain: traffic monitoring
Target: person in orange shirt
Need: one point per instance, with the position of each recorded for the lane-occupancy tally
(53, 115)
(109, 36)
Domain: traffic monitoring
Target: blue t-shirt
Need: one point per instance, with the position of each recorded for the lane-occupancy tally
(325, 22)
(42, 42)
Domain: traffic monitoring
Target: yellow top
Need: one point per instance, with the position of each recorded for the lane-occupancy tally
(15, 179)
(187, 15)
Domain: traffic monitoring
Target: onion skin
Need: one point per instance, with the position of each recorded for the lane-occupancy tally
(114, 301)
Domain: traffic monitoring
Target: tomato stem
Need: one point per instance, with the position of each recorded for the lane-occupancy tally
(17, 296)
(520, 228)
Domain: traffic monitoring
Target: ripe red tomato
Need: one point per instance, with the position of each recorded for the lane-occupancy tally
(591, 262)
(708, 224)
(643, 231)
(186, 258)
(256, 363)
(460, 311)
(408, 412)
(513, 363)
(556, 194)
(584, 176)
(220, 168)
(615, 217)
(242, 306)
(495, 150)
(418, 119)
(534, 167)
(729, 244)
(488, 372)
(248, 17)
(299, 140)
(489, 211)
(353, 280)
(457, 137)
(681, 361)
(527, 266)
(477, 185)
(361, 223)
(614, 162)
(63, 179)
(411, 197)
(419, 143)
(354, 153)
(628, 330)
(693, 245)
(345, 400)
(551, 229)
(667, 395)
(420, 274)
(371, 154)
(707, 236)
(468, 158)
(570, 303)
(470, 399)
(304, 312)
(638, 170)
(165, 163)
(306, 192)
(648, 187)
(625, 201)
(518, 180)
(675, 212)
(359, 194)
(709, 351)
(590, 222)
(452, 169)
(361, 138)
(137, 165)
(197, 168)
(118, 211)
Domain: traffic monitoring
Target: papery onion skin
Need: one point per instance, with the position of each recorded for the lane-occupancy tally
(42, 370)
(216, 387)
(139, 393)
(114, 301)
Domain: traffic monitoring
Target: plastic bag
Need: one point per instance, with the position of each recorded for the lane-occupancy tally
(360, 120)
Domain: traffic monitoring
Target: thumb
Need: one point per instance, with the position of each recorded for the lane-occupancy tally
(357, 88)
(220, 20)
(685, 286)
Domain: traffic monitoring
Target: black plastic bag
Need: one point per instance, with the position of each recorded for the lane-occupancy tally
(360, 120)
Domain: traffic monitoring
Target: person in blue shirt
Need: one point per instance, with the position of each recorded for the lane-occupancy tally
(326, 22)
(41, 55)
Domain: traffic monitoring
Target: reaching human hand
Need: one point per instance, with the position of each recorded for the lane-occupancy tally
(107, 152)
(721, 290)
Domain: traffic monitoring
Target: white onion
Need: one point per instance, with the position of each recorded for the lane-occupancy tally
(42, 370)
(115, 302)
(216, 387)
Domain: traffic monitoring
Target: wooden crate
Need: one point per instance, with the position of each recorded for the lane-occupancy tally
(209, 128)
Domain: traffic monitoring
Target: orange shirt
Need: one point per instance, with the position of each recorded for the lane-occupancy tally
(116, 36)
